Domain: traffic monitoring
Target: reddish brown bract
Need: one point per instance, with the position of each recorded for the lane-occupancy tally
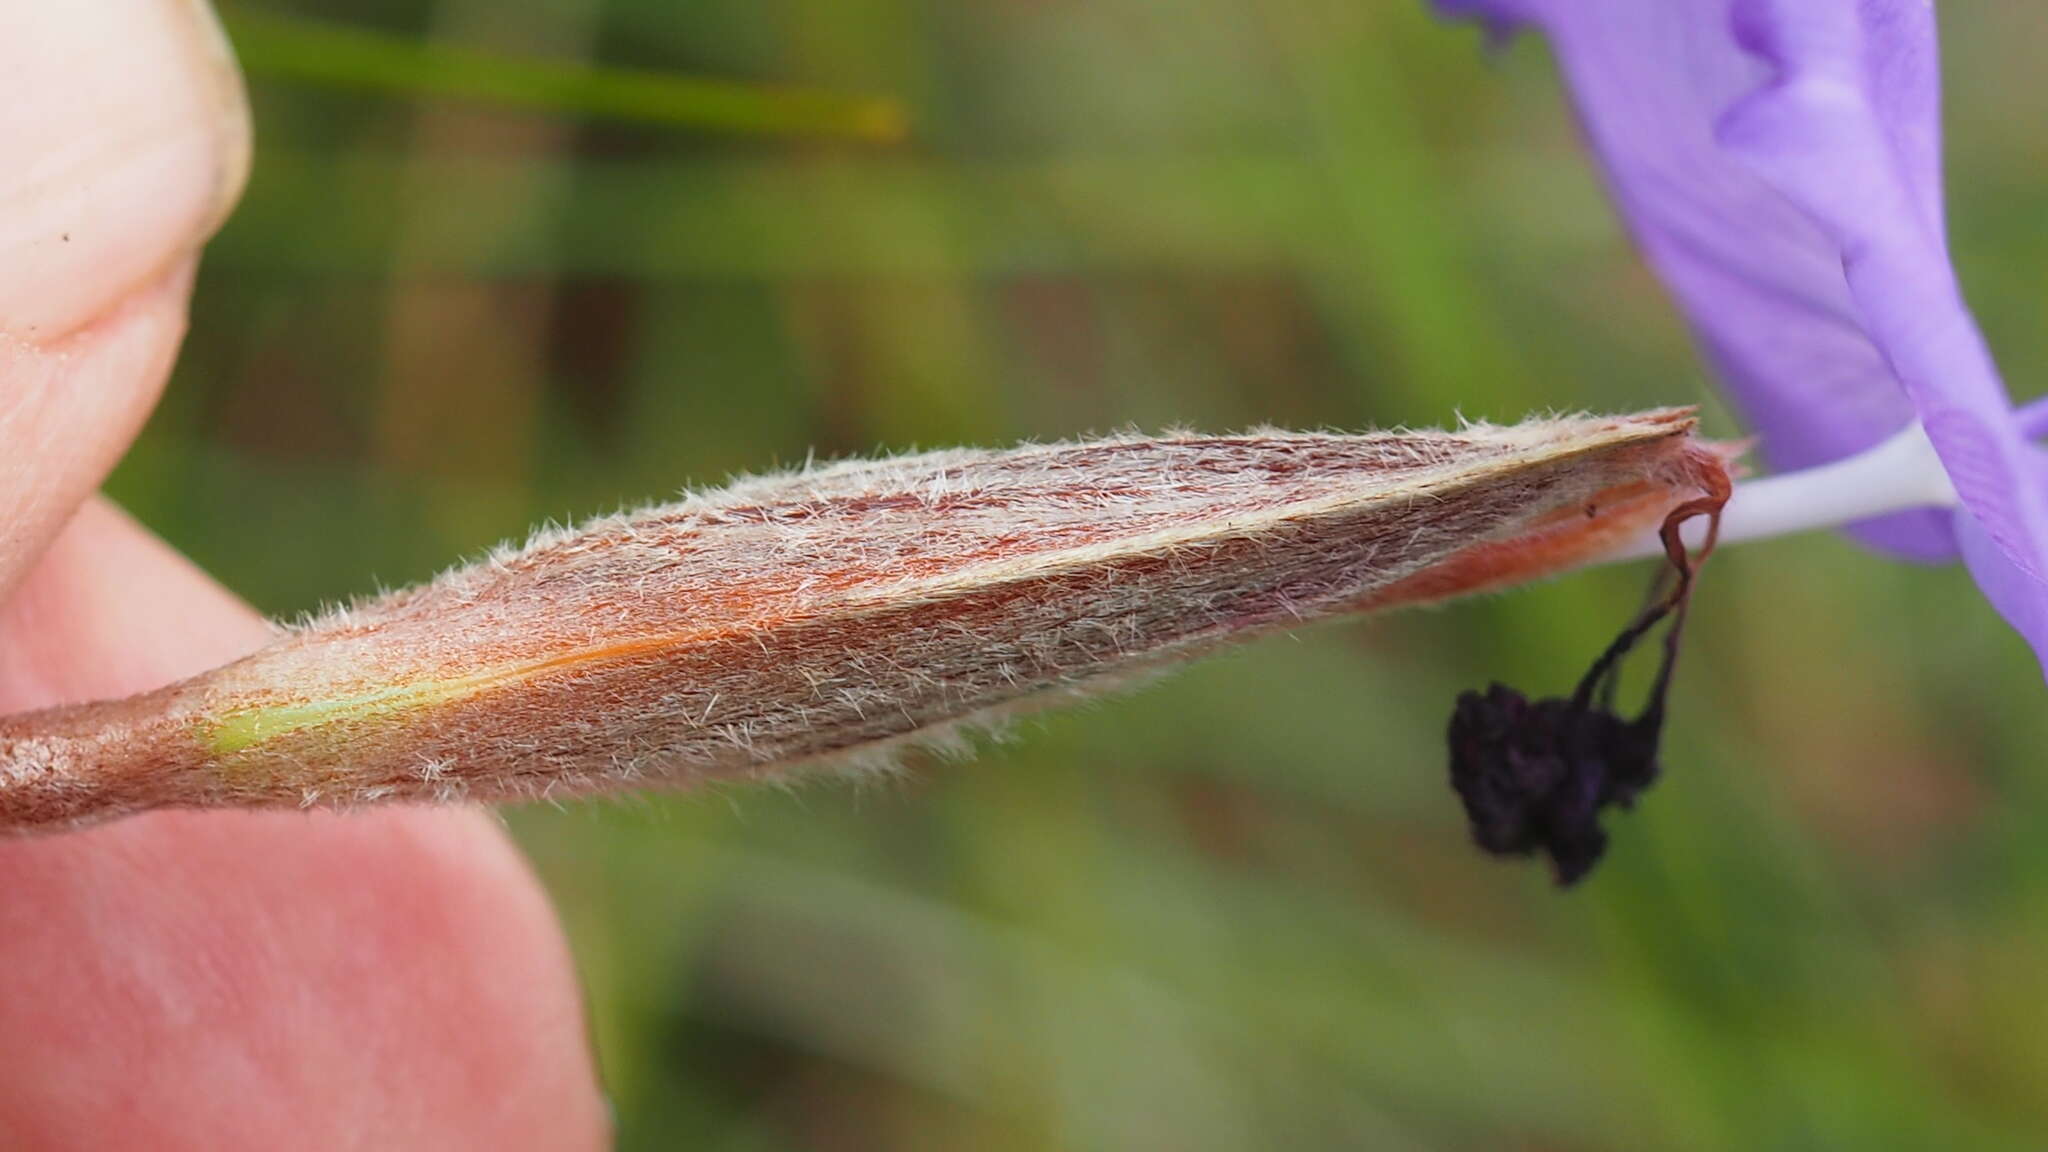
(833, 613)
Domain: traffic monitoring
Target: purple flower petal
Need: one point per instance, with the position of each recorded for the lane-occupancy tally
(2015, 594)
(1819, 134)
(1779, 163)
(1761, 283)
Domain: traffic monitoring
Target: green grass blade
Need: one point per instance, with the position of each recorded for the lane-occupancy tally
(329, 54)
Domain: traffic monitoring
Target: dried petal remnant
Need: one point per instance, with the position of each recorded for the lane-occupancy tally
(1536, 776)
(838, 611)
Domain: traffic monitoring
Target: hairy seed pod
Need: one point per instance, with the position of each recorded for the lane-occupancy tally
(830, 614)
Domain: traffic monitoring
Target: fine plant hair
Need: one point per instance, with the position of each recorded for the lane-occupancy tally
(833, 614)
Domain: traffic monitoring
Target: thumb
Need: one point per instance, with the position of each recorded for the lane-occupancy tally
(126, 140)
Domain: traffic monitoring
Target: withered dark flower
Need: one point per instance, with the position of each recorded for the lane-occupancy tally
(1536, 776)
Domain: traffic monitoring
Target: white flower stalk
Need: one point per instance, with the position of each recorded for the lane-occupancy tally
(1897, 475)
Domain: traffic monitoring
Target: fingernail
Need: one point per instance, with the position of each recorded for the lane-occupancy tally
(125, 143)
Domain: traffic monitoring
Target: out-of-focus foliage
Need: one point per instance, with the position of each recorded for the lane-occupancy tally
(1235, 909)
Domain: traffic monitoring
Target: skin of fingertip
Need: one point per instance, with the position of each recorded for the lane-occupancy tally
(70, 409)
(184, 980)
(282, 980)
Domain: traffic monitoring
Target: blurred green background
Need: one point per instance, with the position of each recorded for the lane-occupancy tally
(507, 261)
